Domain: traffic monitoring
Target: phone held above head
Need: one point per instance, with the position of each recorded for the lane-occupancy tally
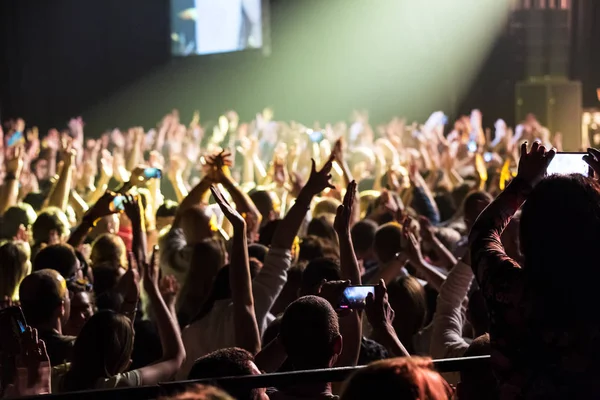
(569, 163)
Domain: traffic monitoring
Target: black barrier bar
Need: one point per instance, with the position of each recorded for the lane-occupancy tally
(254, 381)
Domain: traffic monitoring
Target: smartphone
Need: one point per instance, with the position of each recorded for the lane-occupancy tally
(569, 163)
(472, 146)
(118, 203)
(12, 325)
(151, 173)
(315, 136)
(354, 297)
(15, 139)
(487, 157)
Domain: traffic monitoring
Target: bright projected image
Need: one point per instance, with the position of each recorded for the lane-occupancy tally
(215, 26)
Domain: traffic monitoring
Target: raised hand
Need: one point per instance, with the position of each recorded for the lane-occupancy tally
(592, 158)
(413, 247)
(33, 368)
(533, 164)
(319, 180)
(343, 216)
(332, 291)
(219, 165)
(13, 161)
(168, 289)
(107, 163)
(151, 272)
(128, 285)
(427, 229)
(338, 151)
(133, 208)
(379, 312)
(101, 208)
(237, 221)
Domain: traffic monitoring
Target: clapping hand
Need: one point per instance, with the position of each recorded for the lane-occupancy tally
(218, 165)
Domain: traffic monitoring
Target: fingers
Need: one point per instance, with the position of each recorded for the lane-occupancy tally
(154, 258)
(313, 167)
(523, 149)
(592, 162)
(380, 290)
(42, 351)
(595, 153)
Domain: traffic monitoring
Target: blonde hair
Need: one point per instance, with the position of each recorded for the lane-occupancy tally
(14, 266)
(401, 378)
(109, 249)
(200, 392)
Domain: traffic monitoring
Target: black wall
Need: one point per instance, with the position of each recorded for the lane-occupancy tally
(109, 60)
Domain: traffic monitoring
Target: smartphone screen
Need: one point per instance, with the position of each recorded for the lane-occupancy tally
(315, 136)
(472, 145)
(14, 139)
(487, 157)
(354, 296)
(568, 163)
(151, 173)
(118, 202)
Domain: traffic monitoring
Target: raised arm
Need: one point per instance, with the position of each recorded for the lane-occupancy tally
(168, 330)
(351, 325)
(381, 315)
(413, 250)
(135, 213)
(13, 164)
(487, 253)
(240, 281)
(445, 256)
(100, 209)
(287, 229)
(59, 195)
(447, 339)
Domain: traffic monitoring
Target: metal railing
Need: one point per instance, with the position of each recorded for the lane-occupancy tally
(253, 381)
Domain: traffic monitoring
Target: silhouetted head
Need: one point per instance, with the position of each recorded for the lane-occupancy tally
(407, 298)
(317, 271)
(363, 238)
(59, 257)
(388, 241)
(14, 217)
(51, 224)
(228, 362)
(44, 298)
(102, 350)
(310, 333)
(473, 205)
(265, 205)
(559, 231)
